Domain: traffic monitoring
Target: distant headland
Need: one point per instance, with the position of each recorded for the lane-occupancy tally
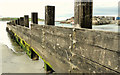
(10, 19)
(96, 20)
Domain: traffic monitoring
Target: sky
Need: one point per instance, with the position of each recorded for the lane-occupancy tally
(63, 8)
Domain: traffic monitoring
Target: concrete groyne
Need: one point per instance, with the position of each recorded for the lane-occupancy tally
(69, 50)
(73, 50)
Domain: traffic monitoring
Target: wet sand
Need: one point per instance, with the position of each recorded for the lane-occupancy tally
(19, 63)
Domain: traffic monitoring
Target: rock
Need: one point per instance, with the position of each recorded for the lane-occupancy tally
(96, 20)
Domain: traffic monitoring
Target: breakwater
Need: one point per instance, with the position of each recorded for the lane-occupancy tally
(100, 20)
(73, 50)
(68, 50)
(96, 20)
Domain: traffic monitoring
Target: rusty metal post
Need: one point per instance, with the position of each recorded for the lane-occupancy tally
(34, 18)
(50, 15)
(13, 23)
(18, 21)
(22, 21)
(83, 11)
(26, 21)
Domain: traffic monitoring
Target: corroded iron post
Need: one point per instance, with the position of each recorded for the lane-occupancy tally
(49, 15)
(26, 21)
(22, 21)
(13, 22)
(34, 18)
(18, 21)
(83, 11)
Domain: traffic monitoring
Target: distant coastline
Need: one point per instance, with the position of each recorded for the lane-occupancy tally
(96, 20)
(10, 19)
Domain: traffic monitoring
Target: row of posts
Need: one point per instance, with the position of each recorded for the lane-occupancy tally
(83, 11)
(49, 18)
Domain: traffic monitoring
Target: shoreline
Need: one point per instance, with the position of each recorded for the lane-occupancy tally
(10, 59)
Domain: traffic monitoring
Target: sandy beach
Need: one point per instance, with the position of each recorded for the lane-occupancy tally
(18, 63)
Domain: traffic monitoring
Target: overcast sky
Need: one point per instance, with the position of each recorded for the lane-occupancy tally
(64, 8)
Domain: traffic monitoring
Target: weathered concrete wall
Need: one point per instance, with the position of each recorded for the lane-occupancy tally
(74, 50)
